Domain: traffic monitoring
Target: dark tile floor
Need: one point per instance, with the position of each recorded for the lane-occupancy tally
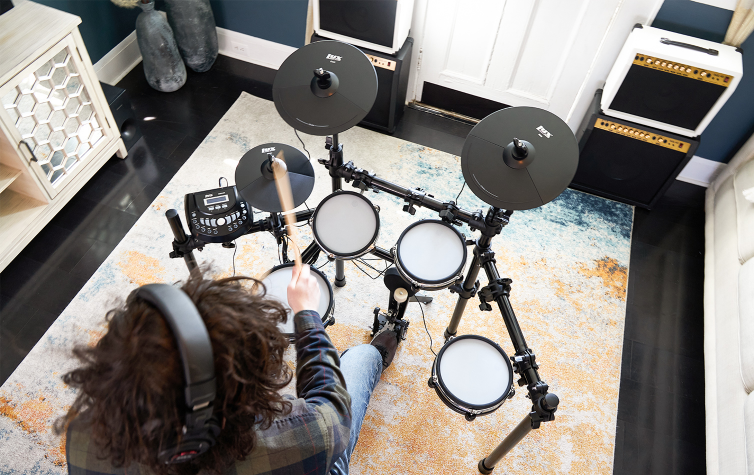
(660, 426)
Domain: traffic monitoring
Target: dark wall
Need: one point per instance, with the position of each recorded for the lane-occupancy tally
(104, 25)
(734, 124)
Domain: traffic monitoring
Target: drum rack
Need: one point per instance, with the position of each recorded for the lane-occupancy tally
(491, 224)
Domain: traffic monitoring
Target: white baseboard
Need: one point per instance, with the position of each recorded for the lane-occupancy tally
(252, 49)
(701, 171)
(119, 61)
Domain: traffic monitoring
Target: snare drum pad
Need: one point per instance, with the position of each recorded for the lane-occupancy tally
(276, 284)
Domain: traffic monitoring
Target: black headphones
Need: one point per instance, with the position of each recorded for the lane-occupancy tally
(200, 429)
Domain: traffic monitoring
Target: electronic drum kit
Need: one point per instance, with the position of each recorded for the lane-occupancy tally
(517, 158)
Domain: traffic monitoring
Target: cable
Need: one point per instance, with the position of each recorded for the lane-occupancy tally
(235, 248)
(303, 145)
(426, 329)
(380, 273)
(459, 193)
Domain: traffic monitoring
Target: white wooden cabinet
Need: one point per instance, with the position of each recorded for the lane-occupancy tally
(56, 128)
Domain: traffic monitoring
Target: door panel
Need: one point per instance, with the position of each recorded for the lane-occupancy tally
(524, 53)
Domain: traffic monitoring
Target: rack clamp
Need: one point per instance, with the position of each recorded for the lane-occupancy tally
(449, 214)
(494, 222)
(544, 404)
(463, 293)
(523, 362)
(414, 198)
(495, 289)
(362, 179)
(185, 248)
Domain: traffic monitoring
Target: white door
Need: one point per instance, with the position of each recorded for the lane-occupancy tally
(541, 53)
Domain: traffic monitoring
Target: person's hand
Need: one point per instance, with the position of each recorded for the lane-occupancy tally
(303, 291)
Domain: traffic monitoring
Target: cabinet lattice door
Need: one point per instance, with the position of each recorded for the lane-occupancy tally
(54, 115)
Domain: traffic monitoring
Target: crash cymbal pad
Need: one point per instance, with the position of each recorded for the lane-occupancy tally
(519, 158)
(325, 88)
(255, 180)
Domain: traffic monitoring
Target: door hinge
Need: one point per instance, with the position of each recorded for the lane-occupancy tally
(419, 59)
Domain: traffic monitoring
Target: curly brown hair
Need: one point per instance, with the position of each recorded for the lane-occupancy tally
(130, 384)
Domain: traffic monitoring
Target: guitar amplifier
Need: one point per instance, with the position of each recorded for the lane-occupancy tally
(628, 162)
(670, 81)
(379, 25)
(392, 85)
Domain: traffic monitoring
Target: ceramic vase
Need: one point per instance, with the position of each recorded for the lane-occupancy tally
(163, 65)
(193, 25)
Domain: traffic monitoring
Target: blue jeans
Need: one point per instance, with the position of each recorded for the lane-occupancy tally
(361, 367)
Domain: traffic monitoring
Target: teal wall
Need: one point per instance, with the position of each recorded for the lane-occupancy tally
(734, 124)
(104, 25)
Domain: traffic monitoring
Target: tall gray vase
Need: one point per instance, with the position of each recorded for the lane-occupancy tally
(194, 27)
(162, 61)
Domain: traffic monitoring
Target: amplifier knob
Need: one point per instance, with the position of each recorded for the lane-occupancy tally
(704, 74)
(649, 61)
(670, 65)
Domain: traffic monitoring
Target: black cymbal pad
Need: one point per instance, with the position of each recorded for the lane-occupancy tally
(519, 158)
(325, 88)
(258, 188)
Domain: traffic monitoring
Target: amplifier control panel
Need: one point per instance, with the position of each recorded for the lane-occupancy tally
(680, 69)
(643, 135)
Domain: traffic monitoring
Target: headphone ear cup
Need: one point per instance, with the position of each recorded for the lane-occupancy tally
(214, 428)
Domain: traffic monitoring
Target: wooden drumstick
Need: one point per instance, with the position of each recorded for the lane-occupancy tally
(283, 186)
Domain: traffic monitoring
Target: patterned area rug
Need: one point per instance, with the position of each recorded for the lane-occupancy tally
(569, 265)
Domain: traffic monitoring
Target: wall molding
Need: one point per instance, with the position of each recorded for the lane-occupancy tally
(119, 61)
(252, 49)
(701, 171)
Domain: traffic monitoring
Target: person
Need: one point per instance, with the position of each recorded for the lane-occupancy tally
(129, 386)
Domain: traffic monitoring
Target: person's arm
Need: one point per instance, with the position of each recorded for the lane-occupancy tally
(318, 378)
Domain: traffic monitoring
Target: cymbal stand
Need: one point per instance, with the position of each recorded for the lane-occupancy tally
(544, 404)
(184, 245)
(336, 161)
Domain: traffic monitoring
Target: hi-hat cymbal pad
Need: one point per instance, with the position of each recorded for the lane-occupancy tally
(519, 158)
(325, 88)
(256, 182)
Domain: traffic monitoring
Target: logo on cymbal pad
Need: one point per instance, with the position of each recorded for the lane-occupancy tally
(270, 149)
(544, 132)
(333, 58)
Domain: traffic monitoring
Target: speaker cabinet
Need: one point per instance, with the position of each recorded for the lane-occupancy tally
(626, 161)
(670, 81)
(120, 105)
(378, 25)
(392, 85)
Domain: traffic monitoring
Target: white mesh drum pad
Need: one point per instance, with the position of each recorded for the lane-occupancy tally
(277, 287)
(431, 251)
(474, 371)
(345, 223)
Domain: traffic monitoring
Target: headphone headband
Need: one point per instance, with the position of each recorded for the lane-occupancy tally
(195, 348)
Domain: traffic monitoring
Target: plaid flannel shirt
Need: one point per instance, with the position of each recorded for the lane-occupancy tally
(305, 441)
